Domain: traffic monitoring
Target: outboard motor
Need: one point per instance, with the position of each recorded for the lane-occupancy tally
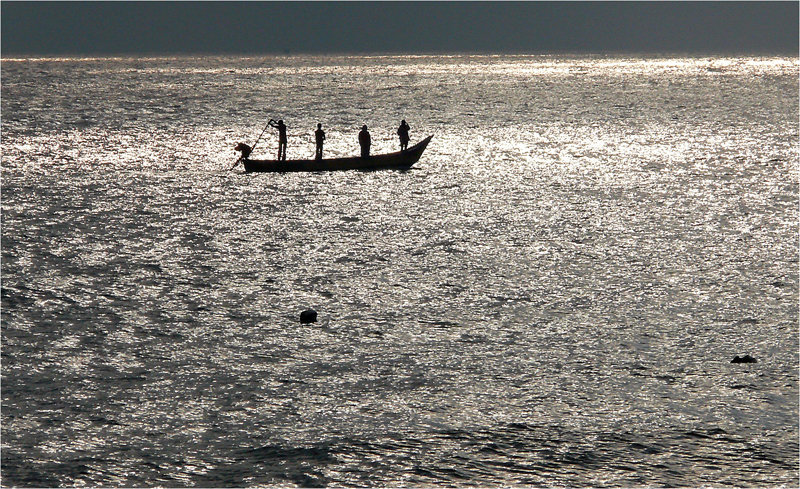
(245, 149)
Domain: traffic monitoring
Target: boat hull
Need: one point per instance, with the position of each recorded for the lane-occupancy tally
(402, 160)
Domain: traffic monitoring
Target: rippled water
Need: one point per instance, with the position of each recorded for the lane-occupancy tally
(552, 296)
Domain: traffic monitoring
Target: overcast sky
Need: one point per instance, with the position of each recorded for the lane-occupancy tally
(391, 27)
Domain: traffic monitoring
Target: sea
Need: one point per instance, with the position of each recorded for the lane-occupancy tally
(551, 297)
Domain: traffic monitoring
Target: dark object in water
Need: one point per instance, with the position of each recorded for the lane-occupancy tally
(743, 359)
(308, 316)
(402, 160)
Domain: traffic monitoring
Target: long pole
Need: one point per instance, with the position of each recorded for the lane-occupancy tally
(262, 133)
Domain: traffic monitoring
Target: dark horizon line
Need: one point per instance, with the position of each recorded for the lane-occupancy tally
(290, 53)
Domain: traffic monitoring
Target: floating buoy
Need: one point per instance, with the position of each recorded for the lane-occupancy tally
(308, 316)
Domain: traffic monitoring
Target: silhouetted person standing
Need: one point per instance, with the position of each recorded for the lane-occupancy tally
(281, 138)
(365, 141)
(402, 131)
(320, 135)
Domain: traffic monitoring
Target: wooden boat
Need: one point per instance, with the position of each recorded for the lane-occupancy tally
(401, 160)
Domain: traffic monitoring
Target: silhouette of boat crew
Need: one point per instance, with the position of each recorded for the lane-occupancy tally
(282, 140)
(365, 141)
(402, 132)
(320, 137)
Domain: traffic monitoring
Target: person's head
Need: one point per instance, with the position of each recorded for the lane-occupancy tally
(403, 122)
(319, 126)
(364, 127)
(280, 122)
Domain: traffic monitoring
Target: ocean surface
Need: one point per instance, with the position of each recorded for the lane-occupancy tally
(552, 296)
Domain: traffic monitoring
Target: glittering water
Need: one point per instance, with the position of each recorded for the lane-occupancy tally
(552, 296)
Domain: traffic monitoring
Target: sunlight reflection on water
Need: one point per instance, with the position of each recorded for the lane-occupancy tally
(551, 296)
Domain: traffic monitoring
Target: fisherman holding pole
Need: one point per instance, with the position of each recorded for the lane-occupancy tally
(282, 140)
(246, 149)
